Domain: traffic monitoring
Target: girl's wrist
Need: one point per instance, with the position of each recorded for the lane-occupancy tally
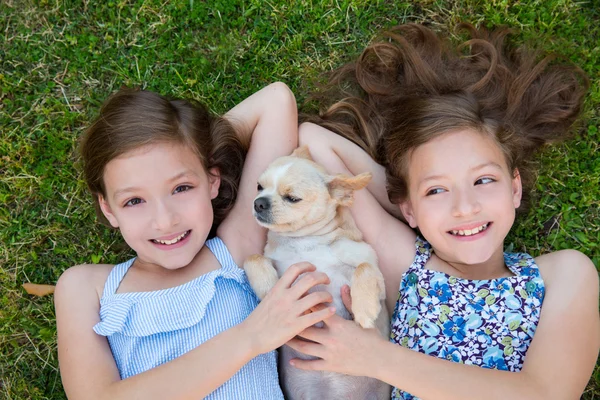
(249, 345)
(252, 338)
(376, 365)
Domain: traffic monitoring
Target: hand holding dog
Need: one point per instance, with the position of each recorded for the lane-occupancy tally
(282, 313)
(342, 346)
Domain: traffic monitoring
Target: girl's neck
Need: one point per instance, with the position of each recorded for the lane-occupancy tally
(144, 276)
(493, 268)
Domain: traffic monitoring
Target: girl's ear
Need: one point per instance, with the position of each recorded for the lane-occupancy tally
(517, 188)
(407, 211)
(106, 210)
(214, 180)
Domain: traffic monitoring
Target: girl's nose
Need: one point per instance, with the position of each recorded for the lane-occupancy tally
(165, 217)
(465, 203)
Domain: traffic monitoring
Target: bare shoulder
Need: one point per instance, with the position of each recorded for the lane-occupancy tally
(85, 359)
(567, 337)
(89, 278)
(570, 270)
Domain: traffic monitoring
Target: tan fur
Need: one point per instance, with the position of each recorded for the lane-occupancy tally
(306, 212)
(261, 274)
(366, 290)
(302, 152)
(342, 187)
(347, 226)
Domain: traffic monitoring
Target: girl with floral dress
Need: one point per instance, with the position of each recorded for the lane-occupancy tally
(453, 130)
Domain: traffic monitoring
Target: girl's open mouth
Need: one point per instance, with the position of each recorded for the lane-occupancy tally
(173, 241)
(471, 232)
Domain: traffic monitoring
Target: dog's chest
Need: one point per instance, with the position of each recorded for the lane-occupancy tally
(293, 250)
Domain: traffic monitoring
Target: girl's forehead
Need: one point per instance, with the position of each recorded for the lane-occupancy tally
(454, 152)
(166, 149)
(152, 164)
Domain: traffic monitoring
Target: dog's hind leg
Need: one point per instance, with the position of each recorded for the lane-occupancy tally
(261, 274)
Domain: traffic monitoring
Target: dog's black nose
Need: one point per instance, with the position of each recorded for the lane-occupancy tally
(261, 204)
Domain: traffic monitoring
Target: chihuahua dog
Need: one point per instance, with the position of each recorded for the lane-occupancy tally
(306, 213)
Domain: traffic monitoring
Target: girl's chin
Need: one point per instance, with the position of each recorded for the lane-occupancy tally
(169, 262)
(475, 256)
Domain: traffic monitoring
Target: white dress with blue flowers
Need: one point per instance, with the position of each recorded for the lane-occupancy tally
(489, 323)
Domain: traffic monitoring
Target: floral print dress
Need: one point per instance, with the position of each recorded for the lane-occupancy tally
(489, 323)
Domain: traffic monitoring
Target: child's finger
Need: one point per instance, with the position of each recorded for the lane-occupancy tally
(318, 307)
(318, 316)
(308, 365)
(346, 298)
(314, 299)
(307, 282)
(333, 319)
(305, 347)
(293, 272)
(312, 333)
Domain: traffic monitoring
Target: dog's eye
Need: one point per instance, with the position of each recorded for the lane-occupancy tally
(291, 199)
(259, 187)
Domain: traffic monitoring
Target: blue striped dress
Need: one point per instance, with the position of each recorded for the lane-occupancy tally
(147, 329)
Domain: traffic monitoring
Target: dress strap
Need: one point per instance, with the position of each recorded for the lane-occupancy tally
(522, 264)
(422, 253)
(219, 249)
(115, 277)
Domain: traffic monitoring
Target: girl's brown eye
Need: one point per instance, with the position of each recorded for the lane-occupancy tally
(434, 191)
(483, 181)
(182, 188)
(133, 202)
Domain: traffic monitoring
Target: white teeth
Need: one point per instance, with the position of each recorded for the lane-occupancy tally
(172, 241)
(470, 232)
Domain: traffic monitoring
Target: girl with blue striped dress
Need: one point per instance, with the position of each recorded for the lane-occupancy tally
(179, 320)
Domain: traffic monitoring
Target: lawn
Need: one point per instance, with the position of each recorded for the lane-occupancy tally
(60, 59)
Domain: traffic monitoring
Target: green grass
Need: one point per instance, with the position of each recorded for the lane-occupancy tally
(60, 59)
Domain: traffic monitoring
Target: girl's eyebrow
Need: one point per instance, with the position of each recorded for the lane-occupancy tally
(180, 175)
(475, 168)
(125, 190)
(432, 178)
(487, 164)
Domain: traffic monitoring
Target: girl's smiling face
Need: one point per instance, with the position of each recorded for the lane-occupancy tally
(159, 196)
(462, 196)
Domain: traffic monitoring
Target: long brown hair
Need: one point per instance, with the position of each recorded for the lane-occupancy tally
(411, 85)
(130, 119)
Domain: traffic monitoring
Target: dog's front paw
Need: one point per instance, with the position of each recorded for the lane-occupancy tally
(261, 274)
(365, 291)
(366, 311)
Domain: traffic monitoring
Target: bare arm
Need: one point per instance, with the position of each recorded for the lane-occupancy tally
(355, 160)
(88, 370)
(558, 365)
(270, 118)
(393, 241)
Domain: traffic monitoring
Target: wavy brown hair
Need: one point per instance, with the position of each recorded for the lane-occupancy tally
(130, 119)
(411, 85)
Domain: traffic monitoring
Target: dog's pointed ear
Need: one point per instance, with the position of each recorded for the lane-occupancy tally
(302, 152)
(341, 187)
